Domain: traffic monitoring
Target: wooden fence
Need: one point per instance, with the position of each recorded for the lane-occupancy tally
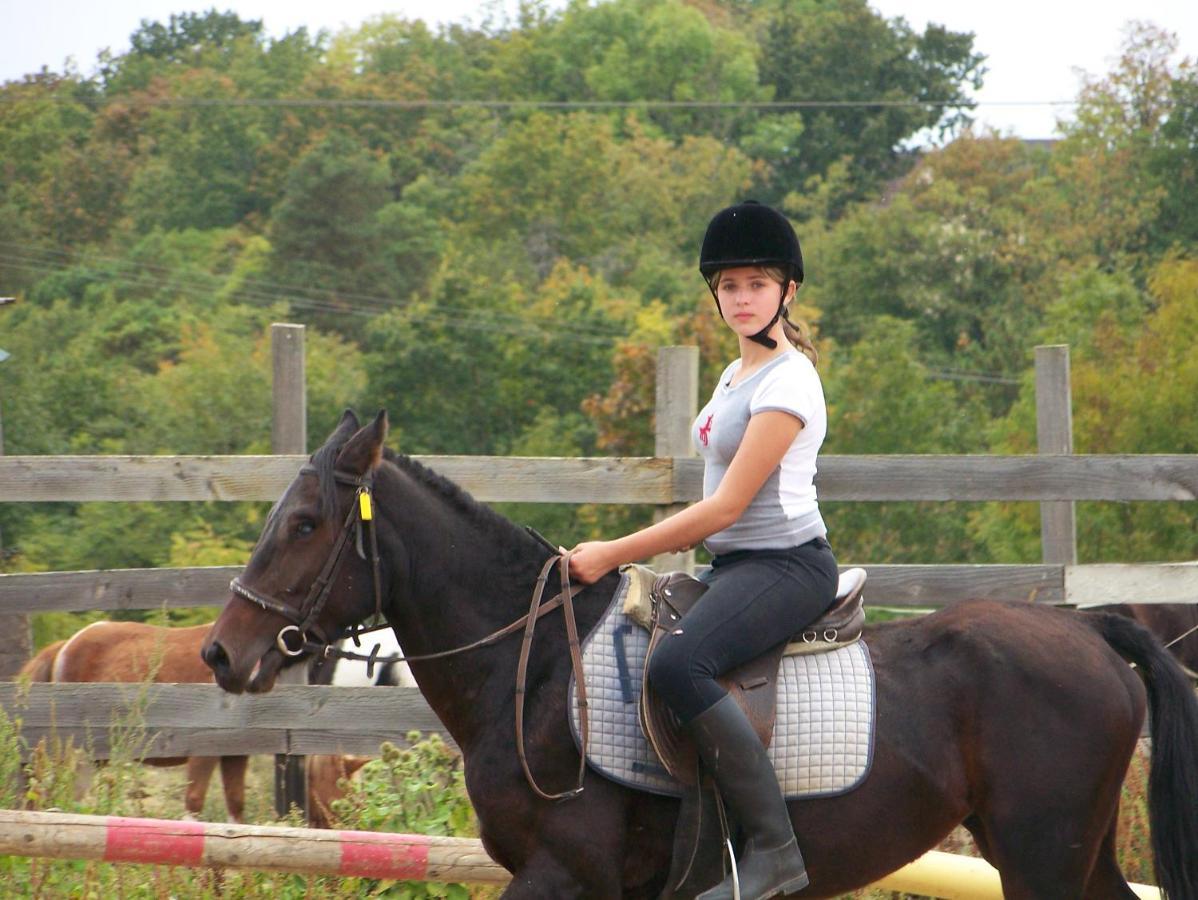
(295, 719)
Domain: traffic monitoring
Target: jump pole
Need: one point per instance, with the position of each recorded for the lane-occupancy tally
(369, 854)
(366, 854)
(947, 875)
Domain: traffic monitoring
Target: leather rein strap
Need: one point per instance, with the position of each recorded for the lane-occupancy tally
(304, 622)
(567, 602)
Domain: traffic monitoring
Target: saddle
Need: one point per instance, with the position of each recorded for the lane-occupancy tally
(753, 685)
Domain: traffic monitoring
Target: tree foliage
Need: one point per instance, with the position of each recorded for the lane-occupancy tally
(491, 229)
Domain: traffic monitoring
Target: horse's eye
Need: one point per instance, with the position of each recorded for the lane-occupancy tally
(305, 527)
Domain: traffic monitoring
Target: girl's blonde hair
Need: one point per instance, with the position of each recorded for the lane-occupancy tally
(792, 330)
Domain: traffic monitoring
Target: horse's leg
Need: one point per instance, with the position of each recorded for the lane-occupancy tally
(544, 877)
(1107, 881)
(232, 776)
(1045, 843)
(978, 831)
(199, 773)
(566, 849)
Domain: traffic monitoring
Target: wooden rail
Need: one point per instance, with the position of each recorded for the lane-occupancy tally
(889, 585)
(307, 851)
(295, 719)
(160, 720)
(649, 480)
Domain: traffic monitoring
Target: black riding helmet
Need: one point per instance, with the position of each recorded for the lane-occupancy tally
(751, 234)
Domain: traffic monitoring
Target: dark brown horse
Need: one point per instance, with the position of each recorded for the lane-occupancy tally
(1175, 624)
(1016, 720)
(134, 652)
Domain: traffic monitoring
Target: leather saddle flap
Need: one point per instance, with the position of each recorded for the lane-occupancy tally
(753, 685)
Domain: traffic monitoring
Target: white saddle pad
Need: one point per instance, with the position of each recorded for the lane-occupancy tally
(823, 736)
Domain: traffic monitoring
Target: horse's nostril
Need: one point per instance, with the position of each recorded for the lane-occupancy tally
(216, 657)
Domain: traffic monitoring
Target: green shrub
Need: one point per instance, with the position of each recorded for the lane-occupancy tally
(419, 789)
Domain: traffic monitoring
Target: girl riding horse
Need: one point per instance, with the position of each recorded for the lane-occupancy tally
(772, 571)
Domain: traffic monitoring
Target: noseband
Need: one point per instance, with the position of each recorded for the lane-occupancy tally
(292, 640)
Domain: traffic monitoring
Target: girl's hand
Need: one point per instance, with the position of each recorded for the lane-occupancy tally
(591, 560)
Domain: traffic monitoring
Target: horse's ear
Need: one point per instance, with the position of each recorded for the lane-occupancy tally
(364, 450)
(345, 429)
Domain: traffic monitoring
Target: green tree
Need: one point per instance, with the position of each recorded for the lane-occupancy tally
(569, 186)
(944, 259)
(1173, 164)
(1133, 381)
(187, 40)
(820, 50)
(326, 236)
(883, 398)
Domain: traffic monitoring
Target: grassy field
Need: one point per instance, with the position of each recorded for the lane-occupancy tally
(417, 789)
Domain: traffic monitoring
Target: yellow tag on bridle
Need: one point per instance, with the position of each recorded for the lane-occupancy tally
(365, 506)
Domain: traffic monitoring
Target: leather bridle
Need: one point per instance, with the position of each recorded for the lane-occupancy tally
(303, 620)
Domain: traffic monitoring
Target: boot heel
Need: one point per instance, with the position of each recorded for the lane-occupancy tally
(795, 884)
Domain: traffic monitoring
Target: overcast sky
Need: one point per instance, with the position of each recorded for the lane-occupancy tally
(1034, 47)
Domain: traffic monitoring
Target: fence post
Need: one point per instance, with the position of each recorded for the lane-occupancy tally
(1054, 434)
(18, 646)
(677, 404)
(289, 434)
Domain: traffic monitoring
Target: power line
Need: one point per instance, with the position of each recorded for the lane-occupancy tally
(445, 315)
(374, 103)
(368, 304)
(983, 377)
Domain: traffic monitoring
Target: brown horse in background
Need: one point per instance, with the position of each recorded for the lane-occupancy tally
(137, 652)
(130, 651)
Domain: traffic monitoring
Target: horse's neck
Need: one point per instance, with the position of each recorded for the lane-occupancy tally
(470, 577)
(457, 598)
(472, 693)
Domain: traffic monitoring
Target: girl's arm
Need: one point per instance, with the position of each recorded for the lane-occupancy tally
(767, 438)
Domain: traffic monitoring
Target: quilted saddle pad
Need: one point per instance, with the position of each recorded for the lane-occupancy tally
(823, 736)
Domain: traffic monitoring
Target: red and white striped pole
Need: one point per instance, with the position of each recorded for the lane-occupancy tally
(366, 854)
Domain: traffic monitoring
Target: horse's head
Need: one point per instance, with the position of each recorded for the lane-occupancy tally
(312, 573)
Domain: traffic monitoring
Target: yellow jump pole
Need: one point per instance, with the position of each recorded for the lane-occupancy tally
(953, 877)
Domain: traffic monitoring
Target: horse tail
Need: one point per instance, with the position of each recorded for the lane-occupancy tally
(1173, 726)
(41, 667)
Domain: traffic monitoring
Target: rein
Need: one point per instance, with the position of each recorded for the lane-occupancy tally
(303, 622)
(1181, 637)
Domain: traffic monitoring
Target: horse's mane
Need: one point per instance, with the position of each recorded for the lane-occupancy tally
(323, 461)
(497, 527)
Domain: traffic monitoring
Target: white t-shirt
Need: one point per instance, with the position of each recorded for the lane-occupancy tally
(785, 512)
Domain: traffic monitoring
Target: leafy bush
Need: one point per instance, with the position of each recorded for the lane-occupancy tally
(419, 789)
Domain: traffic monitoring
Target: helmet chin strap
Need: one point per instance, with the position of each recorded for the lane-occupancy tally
(763, 336)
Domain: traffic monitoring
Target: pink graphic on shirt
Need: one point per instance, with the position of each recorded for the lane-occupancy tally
(705, 430)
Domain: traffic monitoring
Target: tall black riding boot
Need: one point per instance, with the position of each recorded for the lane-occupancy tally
(770, 863)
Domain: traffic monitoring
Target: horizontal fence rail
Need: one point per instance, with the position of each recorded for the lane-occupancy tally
(174, 720)
(888, 585)
(651, 480)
